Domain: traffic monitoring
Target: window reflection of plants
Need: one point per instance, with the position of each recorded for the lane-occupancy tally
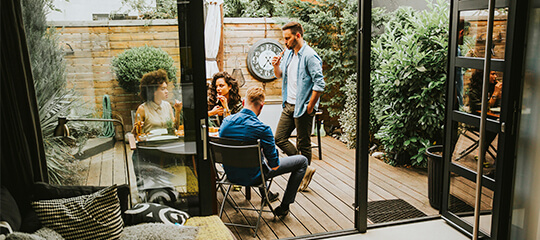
(48, 71)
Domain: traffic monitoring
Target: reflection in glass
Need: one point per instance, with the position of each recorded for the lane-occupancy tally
(461, 202)
(526, 195)
(472, 33)
(472, 98)
(466, 149)
(163, 162)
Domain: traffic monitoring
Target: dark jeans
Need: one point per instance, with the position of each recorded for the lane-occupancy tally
(296, 165)
(287, 123)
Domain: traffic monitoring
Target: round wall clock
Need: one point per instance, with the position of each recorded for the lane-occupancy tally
(259, 59)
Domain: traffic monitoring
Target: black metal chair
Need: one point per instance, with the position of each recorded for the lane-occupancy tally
(475, 138)
(239, 154)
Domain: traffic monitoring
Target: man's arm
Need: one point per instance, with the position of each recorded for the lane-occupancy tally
(312, 101)
(314, 64)
(268, 145)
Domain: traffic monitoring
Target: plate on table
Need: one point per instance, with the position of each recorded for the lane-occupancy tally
(157, 132)
(495, 109)
(161, 138)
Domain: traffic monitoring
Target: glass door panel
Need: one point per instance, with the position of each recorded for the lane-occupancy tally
(525, 205)
(469, 26)
(90, 90)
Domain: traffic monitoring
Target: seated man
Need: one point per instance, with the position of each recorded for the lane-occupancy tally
(246, 126)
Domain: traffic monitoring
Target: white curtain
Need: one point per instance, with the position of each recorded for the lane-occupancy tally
(212, 35)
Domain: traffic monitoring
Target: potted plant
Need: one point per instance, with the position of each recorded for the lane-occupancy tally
(435, 175)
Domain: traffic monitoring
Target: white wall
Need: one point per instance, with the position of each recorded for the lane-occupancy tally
(82, 10)
(270, 115)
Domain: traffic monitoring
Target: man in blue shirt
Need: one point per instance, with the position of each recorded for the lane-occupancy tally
(303, 84)
(246, 126)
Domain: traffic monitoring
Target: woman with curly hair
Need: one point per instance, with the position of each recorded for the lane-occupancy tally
(224, 97)
(156, 112)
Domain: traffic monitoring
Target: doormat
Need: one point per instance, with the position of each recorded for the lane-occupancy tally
(457, 205)
(391, 210)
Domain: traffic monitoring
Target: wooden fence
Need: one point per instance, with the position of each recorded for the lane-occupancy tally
(90, 47)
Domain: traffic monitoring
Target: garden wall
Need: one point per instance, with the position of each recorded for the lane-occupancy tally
(90, 47)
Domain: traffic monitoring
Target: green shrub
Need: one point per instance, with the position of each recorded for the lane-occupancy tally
(249, 8)
(53, 99)
(159, 9)
(408, 82)
(130, 65)
(347, 117)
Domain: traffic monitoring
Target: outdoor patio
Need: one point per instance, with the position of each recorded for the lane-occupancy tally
(327, 206)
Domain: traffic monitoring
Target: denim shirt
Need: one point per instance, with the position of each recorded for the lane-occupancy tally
(310, 77)
(246, 126)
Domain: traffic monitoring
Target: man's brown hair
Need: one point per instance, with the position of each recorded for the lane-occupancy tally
(294, 27)
(255, 95)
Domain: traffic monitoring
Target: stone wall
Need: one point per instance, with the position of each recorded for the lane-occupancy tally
(90, 47)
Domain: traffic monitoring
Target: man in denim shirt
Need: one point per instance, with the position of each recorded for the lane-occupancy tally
(246, 126)
(303, 84)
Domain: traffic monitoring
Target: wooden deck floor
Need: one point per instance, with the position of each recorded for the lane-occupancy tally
(326, 206)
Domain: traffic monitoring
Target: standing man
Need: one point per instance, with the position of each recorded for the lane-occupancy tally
(246, 126)
(303, 83)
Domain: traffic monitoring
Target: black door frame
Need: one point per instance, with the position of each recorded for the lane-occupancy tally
(362, 118)
(193, 82)
(509, 119)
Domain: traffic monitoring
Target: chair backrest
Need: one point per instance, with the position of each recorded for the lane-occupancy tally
(235, 153)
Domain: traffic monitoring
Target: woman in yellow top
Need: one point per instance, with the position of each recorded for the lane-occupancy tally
(156, 112)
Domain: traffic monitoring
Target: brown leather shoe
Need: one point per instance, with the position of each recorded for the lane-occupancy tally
(307, 179)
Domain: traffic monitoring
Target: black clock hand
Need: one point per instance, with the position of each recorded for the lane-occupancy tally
(267, 61)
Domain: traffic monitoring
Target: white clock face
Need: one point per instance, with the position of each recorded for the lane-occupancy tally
(265, 60)
(259, 59)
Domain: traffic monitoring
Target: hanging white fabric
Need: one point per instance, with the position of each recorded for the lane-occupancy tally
(212, 35)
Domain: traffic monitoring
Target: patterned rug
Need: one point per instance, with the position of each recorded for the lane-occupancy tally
(392, 210)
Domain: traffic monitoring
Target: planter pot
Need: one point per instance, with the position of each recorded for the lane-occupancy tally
(435, 175)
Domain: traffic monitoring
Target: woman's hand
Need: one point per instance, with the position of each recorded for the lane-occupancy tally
(217, 110)
(223, 100)
(177, 106)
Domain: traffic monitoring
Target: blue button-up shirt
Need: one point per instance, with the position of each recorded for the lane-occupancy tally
(310, 77)
(246, 126)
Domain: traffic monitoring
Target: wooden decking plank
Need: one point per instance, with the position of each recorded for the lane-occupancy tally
(268, 225)
(466, 191)
(334, 188)
(94, 170)
(85, 165)
(376, 193)
(119, 167)
(292, 222)
(300, 220)
(315, 215)
(327, 205)
(106, 177)
(416, 178)
(346, 175)
(340, 205)
(239, 232)
(404, 193)
(225, 216)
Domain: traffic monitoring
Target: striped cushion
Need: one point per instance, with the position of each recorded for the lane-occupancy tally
(94, 216)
